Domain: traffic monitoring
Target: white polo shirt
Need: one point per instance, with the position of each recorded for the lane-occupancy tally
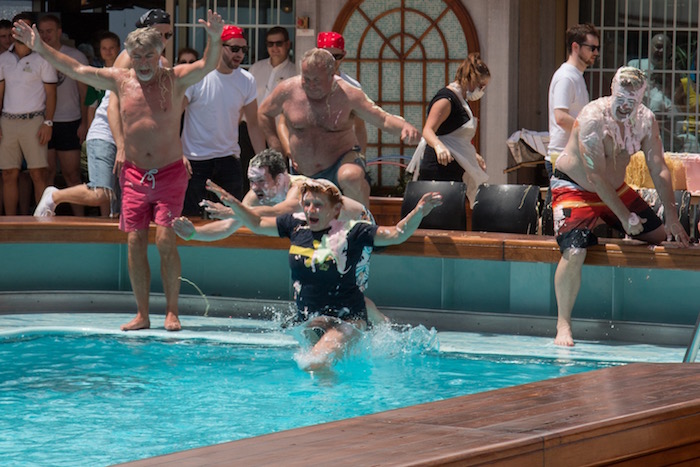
(24, 81)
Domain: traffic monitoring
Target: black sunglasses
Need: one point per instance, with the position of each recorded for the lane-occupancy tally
(275, 43)
(237, 48)
(167, 35)
(594, 48)
(339, 56)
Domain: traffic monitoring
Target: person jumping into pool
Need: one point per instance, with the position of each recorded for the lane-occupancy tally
(275, 192)
(588, 185)
(323, 254)
(154, 178)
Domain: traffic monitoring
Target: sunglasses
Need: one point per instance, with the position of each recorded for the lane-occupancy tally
(339, 56)
(237, 48)
(167, 35)
(275, 43)
(594, 48)
(185, 61)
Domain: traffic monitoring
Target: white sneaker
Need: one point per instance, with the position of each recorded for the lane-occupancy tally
(46, 206)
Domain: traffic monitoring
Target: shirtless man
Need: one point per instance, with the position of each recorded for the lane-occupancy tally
(153, 179)
(273, 192)
(588, 185)
(319, 108)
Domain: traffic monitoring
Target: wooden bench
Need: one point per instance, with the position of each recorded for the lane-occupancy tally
(428, 243)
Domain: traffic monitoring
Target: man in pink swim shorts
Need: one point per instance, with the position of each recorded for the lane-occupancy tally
(153, 177)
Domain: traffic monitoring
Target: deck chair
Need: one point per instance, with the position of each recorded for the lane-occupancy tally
(506, 208)
(450, 215)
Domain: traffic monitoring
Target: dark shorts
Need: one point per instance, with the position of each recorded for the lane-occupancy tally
(331, 173)
(577, 212)
(64, 136)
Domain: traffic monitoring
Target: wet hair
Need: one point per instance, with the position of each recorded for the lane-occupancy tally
(270, 158)
(55, 19)
(577, 33)
(472, 69)
(148, 38)
(630, 77)
(278, 30)
(319, 57)
(320, 185)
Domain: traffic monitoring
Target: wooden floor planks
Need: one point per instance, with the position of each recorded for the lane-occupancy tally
(638, 414)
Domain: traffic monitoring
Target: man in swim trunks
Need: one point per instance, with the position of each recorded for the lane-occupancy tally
(154, 178)
(319, 108)
(588, 185)
(273, 192)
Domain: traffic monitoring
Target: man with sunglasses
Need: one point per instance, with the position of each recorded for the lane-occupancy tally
(210, 131)
(567, 90)
(269, 72)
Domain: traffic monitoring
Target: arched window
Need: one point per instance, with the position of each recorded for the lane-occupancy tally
(403, 52)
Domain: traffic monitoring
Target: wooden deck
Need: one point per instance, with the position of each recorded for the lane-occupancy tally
(639, 414)
(428, 243)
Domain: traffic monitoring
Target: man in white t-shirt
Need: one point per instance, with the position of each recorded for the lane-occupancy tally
(27, 105)
(70, 120)
(210, 131)
(567, 90)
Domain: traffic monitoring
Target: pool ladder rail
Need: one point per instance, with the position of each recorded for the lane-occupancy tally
(692, 352)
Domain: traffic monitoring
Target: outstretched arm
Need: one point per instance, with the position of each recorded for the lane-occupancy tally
(194, 73)
(256, 223)
(102, 78)
(366, 109)
(407, 226)
(209, 232)
(269, 109)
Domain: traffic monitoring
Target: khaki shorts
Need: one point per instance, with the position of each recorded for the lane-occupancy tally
(19, 138)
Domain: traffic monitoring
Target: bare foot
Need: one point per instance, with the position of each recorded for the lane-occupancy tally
(172, 322)
(564, 337)
(137, 323)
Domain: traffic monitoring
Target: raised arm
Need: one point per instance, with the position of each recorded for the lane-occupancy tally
(102, 78)
(407, 226)
(192, 74)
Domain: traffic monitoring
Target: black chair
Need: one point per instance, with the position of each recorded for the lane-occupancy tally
(506, 208)
(682, 201)
(450, 215)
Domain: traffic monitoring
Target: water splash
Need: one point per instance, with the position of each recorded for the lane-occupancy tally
(206, 301)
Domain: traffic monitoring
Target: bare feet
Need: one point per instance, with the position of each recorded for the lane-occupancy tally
(137, 323)
(172, 322)
(564, 337)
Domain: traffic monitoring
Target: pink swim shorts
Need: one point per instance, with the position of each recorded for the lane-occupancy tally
(156, 194)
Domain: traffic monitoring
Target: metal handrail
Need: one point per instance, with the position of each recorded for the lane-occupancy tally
(692, 352)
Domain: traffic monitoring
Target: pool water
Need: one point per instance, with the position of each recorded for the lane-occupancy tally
(96, 396)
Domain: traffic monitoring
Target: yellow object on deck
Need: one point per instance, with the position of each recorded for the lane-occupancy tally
(638, 174)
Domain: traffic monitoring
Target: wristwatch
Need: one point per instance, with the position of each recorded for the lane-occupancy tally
(48, 122)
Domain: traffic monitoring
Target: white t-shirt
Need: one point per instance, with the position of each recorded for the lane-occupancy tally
(24, 82)
(213, 112)
(67, 95)
(99, 128)
(567, 90)
(268, 77)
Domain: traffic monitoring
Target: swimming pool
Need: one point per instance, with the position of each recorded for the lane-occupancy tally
(76, 391)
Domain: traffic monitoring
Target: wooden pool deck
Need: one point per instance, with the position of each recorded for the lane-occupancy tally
(638, 414)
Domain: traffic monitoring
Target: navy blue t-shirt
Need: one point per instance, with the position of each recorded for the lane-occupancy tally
(319, 287)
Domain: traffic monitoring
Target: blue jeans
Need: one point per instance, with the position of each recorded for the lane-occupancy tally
(101, 155)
